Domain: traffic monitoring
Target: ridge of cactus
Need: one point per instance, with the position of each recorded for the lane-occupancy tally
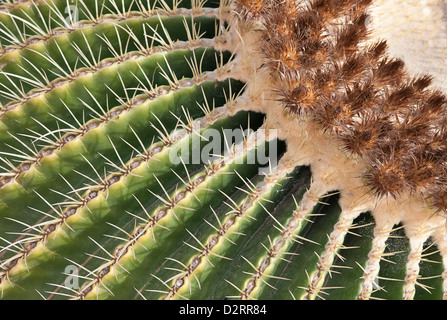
(207, 150)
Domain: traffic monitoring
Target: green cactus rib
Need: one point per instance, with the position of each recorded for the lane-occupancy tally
(105, 111)
(86, 62)
(91, 210)
(105, 183)
(65, 58)
(41, 16)
(81, 97)
(430, 269)
(40, 63)
(53, 98)
(43, 19)
(138, 104)
(170, 220)
(392, 274)
(245, 216)
(92, 69)
(314, 236)
(142, 102)
(278, 244)
(71, 164)
(351, 261)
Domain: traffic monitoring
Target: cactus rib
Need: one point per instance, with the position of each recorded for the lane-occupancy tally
(232, 149)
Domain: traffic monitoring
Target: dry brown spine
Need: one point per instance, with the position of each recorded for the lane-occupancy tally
(329, 71)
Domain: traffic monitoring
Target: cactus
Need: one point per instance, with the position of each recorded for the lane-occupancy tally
(174, 149)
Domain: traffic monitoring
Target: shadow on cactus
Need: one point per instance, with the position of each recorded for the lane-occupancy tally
(203, 150)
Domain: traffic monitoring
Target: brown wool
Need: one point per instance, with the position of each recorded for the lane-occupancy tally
(326, 70)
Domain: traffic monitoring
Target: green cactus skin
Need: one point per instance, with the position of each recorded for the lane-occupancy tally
(93, 207)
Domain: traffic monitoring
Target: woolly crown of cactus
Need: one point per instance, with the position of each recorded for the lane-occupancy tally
(167, 149)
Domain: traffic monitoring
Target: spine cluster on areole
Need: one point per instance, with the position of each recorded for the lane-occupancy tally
(331, 71)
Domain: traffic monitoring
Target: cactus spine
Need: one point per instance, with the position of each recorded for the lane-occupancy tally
(163, 150)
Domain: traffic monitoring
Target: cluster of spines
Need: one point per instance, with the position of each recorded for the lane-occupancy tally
(152, 220)
(33, 156)
(44, 229)
(238, 212)
(170, 202)
(100, 273)
(74, 133)
(80, 173)
(93, 66)
(32, 240)
(328, 70)
(33, 24)
(39, 233)
(278, 249)
(78, 58)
